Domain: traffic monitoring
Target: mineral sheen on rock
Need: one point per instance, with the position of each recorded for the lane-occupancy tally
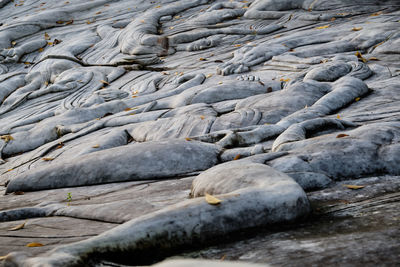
(131, 131)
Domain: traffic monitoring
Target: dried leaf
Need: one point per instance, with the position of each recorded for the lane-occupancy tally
(373, 58)
(157, 6)
(34, 244)
(18, 227)
(202, 59)
(188, 139)
(104, 82)
(171, 27)
(376, 14)
(341, 135)
(60, 22)
(360, 56)
(357, 99)
(338, 116)
(209, 75)
(220, 82)
(7, 138)
(237, 45)
(41, 49)
(284, 80)
(3, 257)
(237, 157)
(212, 200)
(202, 117)
(60, 145)
(355, 29)
(19, 193)
(98, 13)
(69, 22)
(95, 146)
(323, 27)
(47, 159)
(13, 43)
(354, 187)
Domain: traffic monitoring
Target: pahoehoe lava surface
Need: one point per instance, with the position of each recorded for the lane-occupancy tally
(123, 117)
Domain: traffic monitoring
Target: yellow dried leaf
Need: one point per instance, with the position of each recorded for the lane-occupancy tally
(49, 43)
(69, 22)
(202, 117)
(9, 170)
(209, 75)
(34, 244)
(202, 59)
(354, 187)
(357, 99)
(188, 139)
(171, 27)
(88, 22)
(96, 146)
(277, 36)
(237, 157)
(360, 56)
(212, 200)
(284, 80)
(41, 49)
(27, 63)
(323, 27)
(47, 159)
(376, 14)
(237, 45)
(104, 82)
(177, 17)
(355, 29)
(60, 22)
(338, 116)
(3, 257)
(341, 135)
(220, 82)
(18, 227)
(373, 58)
(7, 138)
(157, 6)
(13, 43)
(133, 96)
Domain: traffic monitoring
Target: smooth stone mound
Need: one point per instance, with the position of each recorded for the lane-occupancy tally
(139, 161)
(252, 195)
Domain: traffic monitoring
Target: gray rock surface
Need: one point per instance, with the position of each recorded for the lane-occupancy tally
(119, 118)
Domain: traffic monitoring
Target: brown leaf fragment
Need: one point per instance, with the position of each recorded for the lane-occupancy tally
(41, 49)
(60, 22)
(202, 59)
(188, 139)
(69, 22)
(341, 135)
(373, 58)
(18, 227)
(202, 117)
(354, 187)
(60, 145)
(47, 159)
(34, 244)
(212, 200)
(355, 29)
(104, 82)
(323, 27)
(376, 14)
(237, 157)
(7, 138)
(95, 146)
(284, 80)
(360, 57)
(13, 43)
(18, 193)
